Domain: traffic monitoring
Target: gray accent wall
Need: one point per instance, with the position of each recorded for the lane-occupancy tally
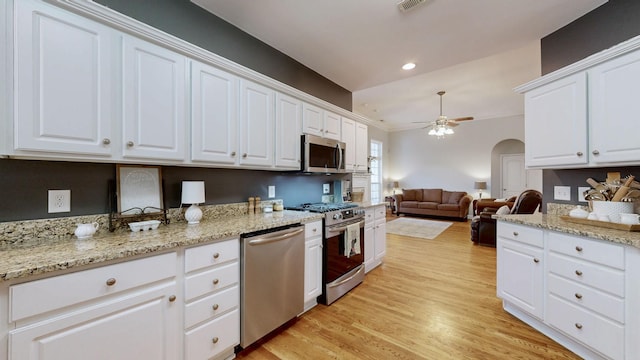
(608, 25)
(190, 22)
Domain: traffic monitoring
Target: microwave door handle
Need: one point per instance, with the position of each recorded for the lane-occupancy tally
(339, 151)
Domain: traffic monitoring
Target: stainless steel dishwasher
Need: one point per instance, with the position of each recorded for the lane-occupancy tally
(272, 275)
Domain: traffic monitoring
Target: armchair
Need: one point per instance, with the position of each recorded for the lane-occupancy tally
(483, 226)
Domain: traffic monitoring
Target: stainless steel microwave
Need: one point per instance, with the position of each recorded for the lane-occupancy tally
(322, 155)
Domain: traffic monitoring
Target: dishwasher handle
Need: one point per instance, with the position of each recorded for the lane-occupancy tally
(272, 238)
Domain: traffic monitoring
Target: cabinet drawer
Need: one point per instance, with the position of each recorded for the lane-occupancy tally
(604, 253)
(587, 297)
(207, 255)
(598, 333)
(210, 306)
(208, 340)
(380, 212)
(212, 280)
(519, 233)
(589, 274)
(369, 215)
(313, 229)
(53, 293)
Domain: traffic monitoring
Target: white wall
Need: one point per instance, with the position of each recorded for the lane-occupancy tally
(417, 160)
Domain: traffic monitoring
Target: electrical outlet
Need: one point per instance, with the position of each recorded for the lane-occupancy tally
(581, 190)
(562, 193)
(272, 191)
(326, 188)
(59, 201)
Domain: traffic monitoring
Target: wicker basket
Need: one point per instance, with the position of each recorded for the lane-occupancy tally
(357, 196)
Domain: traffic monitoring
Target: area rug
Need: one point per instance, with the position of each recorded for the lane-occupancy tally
(420, 228)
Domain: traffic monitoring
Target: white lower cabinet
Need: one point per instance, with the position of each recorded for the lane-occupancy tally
(212, 300)
(375, 236)
(312, 264)
(121, 311)
(582, 292)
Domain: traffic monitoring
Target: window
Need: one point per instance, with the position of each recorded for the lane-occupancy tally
(376, 171)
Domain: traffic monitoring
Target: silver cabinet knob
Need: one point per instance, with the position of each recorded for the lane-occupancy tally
(515, 233)
(216, 255)
(172, 298)
(579, 153)
(578, 248)
(106, 141)
(536, 260)
(233, 154)
(216, 281)
(578, 272)
(130, 143)
(595, 152)
(215, 307)
(111, 281)
(244, 156)
(578, 296)
(215, 340)
(578, 326)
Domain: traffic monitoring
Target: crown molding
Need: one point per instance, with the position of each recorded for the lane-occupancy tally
(121, 22)
(582, 65)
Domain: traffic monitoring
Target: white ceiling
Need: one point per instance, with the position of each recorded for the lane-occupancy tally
(476, 50)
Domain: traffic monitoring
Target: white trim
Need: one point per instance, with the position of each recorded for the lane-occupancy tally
(116, 20)
(582, 65)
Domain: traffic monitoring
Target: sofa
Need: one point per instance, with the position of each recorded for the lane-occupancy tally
(433, 202)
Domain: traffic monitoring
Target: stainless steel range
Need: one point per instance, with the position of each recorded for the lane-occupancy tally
(343, 258)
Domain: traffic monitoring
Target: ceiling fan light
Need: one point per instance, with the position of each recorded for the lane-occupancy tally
(448, 131)
(432, 132)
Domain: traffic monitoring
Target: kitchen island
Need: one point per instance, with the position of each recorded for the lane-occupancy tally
(575, 283)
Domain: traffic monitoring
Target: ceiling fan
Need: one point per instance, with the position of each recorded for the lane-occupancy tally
(442, 125)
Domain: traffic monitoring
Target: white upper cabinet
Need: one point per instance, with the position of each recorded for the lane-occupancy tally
(320, 122)
(349, 138)
(614, 109)
(153, 97)
(63, 82)
(256, 124)
(362, 147)
(556, 123)
(214, 109)
(288, 131)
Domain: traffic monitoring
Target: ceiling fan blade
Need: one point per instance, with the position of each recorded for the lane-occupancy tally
(462, 118)
(452, 124)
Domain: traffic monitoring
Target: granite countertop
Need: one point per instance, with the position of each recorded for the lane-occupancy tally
(20, 261)
(554, 222)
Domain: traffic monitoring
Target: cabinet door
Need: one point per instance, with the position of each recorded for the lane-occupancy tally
(313, 269)
(380, 239)
(362, 147)
(312, 121)
(214, 108)
(520, 276)
(332, 125)
(555, 127)
(141, 326)
(349, 138)
(153, 96)
(256, 124)
(288, 132)
(369, 248)
(614, 109)
(62, 84)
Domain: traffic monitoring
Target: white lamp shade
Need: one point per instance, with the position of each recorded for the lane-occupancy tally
(192, 192)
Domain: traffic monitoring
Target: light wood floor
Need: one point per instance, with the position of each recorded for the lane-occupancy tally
(431, 299)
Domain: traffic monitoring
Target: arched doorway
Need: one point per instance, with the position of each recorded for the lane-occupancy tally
(508, 174)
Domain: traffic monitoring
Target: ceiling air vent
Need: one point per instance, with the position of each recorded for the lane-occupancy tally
(407, 5)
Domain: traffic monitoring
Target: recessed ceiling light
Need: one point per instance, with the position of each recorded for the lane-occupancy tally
(408, 66)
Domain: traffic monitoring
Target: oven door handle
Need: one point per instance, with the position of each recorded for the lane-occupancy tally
(344, 228)
(349, 278)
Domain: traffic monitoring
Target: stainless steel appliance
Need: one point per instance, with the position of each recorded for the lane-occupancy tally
(340, 273)
(322, 155)
(272, 274)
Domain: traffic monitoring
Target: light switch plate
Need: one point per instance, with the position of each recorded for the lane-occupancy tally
(272, 191)
(581, 190)
(562, 193)
(326, 188)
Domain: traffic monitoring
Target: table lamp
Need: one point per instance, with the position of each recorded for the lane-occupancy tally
(193, 193)
(395, 186)
(480, 185)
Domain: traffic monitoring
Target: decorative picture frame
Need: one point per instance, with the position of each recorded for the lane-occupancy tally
(139, 189)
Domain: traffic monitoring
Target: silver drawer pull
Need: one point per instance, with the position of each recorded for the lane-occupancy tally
(216, 281)
(578, 296)
(578, 248)
(578, 326)
(130, 144)
(579, 153)
(578, 272)
(215, 307)
(111, 281)
(215, 340)
(595, 152)
(216, 255)
(106, 141)
(515, 233)
(536, 260)
(233, 153)
(172, 298)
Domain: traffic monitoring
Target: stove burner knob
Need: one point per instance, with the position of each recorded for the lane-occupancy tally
(337, 216)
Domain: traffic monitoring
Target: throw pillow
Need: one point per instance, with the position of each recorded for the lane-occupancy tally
(504, 210)
(409, 195)
(454, 197)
